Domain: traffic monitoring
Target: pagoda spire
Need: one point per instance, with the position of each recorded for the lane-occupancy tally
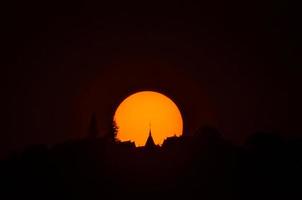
(150, 142)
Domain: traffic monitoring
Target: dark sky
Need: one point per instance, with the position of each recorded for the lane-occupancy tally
(223, 63)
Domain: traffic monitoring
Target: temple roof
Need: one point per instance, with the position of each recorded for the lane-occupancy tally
(150, 142)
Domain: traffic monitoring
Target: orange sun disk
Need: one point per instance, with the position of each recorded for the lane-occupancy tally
(146, 110)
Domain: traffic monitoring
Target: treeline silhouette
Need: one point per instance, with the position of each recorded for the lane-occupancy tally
(201, 166)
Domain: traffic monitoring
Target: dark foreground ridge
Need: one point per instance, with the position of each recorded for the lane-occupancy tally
(203, 166)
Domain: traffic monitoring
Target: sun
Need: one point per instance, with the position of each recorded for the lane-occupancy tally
(146, 110)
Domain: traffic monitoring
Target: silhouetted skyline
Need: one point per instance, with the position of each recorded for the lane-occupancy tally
(204, 165)
(225, 64)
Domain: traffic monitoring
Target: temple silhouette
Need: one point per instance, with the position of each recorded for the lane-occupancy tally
(150, 142)
(203, 165)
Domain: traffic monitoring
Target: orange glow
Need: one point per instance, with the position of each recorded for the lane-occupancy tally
(139, 111)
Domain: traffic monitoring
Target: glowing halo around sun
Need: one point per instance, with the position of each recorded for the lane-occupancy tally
(144, 110)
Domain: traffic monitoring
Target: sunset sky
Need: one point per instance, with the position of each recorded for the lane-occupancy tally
(224, 64)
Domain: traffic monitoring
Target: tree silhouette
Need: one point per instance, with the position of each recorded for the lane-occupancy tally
(113, 131)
